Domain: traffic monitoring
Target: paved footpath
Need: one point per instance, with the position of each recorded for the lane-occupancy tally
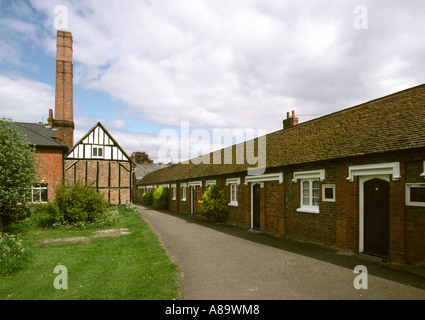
(222, 262)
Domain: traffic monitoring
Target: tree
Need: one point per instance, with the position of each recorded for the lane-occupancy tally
(19, 169)
(142, 157)
(214, 204)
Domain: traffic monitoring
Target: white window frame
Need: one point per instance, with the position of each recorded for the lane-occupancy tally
(408, 201)
(328, 186)
(173, 191)
(183, 186)
(233, 183)
(97, 148)
(310, 208)
(39, 187)
(423, 173)
(233, 200)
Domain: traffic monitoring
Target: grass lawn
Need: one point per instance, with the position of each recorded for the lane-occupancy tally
(132, 266)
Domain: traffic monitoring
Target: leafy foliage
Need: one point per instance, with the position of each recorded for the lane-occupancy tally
(142, 157)
(78, 204)
(214, 204)
(160, 197)
(13, 255)
(147, 198)
(19, 168)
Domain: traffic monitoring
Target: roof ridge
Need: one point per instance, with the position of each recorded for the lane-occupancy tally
(390, 96)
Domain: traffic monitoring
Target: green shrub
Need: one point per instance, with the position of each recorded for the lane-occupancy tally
(47, 214)
(214, 204)
(13, 255)
(80, 203)
(147, 198)
(73, 206)
(160, 198)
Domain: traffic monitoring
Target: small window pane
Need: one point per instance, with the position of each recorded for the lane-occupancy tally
(44, 195)
(329, 193)
(417, 194)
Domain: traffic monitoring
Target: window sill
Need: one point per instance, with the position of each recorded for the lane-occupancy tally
(233, 204)
(308, 210)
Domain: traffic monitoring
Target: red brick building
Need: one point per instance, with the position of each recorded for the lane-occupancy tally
(102, 162)
(354, 178)
(52, 153)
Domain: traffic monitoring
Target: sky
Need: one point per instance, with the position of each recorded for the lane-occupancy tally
(146, 68)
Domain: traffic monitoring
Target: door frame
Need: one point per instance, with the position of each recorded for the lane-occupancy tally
(362, 180)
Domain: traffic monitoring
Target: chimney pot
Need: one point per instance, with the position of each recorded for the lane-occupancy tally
(289, 122)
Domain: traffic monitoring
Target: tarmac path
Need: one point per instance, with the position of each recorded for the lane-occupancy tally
(219, 262)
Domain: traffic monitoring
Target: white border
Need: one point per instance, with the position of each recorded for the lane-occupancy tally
(413, 203)
(392, 168)
(333, 186)
(233, 181)
(210, 183)
(311, 174)
(264, 177)
(194, 184)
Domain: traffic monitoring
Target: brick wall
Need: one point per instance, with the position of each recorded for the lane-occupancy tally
(337, 222)
(51, 169)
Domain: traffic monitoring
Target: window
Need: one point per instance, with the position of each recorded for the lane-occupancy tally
(328, 192)
(173, 191)
(97, 152)
(39, 192)
(415, 194)
(184, 192)
(233, 195)
(309, 196)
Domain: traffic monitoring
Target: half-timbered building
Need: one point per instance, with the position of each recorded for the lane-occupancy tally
(98, 160)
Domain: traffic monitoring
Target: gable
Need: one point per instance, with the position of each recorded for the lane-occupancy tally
(98, 144)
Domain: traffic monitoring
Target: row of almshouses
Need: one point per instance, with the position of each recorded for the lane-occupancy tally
(355, 179)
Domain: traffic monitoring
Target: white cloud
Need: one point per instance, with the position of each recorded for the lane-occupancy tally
(230, 64)
(25, 100)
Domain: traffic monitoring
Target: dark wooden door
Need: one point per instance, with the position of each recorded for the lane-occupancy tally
(256, 207)
(192, 200)
(376, 217)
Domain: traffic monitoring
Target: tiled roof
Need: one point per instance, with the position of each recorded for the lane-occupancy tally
(39, 135)
(392, 123)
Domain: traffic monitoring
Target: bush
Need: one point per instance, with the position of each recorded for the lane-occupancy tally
(47, 214)
(76, 205)
(147, 198)
(160, 197)
(80, 203)
(13, 255)
(214, 204)
(19, 169)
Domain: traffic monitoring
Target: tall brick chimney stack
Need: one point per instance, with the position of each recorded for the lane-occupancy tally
(64, 113)
(290, 122)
